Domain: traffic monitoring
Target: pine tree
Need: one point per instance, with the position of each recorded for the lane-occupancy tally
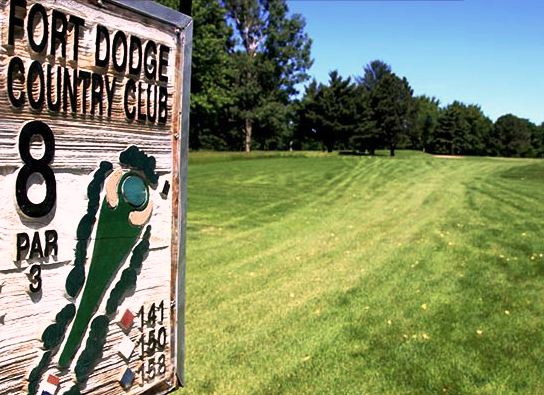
(373, 73)
(329, 110)
(366, 135)
(461, 130)
(393, 109)
(428, 111)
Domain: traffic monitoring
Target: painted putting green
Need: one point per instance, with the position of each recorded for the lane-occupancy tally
(135, 191)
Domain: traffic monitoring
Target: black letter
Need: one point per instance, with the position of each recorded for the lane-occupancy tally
(163, 109)
(152, 102)
(102, 31)
(97, 91)
(119, 40)
(36, 248)
(84, 76)
(141, 115)
(69, 90)
(30, 27)
(59, 35)
(77, 22)
(163, 63)
(135, 43)
(110, 91)
(150, 66)
(23, 242)
(16, 68)
(34, 71)
(53, 106)
(13, 20)
(130, 88)
(51, 247)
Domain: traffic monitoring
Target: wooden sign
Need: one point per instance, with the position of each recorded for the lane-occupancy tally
(93, 151)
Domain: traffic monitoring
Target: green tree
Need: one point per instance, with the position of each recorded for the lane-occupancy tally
(480, 129)
(537, 140)
(512, 136)
(329, 111)
(373, 73)
(304, 133)
(174, 4)
(211, 74)
(450, 124)
(272, 58)
(393, 109)
(366, 136)
(428, 111)
(462, 130)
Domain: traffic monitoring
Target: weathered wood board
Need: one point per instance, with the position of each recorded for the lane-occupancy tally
(93, 150)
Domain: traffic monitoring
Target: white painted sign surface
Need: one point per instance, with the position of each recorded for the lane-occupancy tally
(91, 158)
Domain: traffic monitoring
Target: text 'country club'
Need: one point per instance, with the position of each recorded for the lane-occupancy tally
(138, 68)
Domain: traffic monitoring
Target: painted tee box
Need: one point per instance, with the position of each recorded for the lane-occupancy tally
(93, 153)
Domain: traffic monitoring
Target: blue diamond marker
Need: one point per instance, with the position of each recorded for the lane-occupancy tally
(127, 379)
(46, 393)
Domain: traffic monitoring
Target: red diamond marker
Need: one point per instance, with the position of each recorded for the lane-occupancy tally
(126, 320)
(52, 379)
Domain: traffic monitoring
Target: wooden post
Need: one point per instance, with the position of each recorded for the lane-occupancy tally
(94, 111)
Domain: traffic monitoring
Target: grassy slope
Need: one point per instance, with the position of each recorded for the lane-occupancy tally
(352, 275)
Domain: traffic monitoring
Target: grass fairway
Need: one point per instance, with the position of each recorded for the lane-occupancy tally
(322, 274)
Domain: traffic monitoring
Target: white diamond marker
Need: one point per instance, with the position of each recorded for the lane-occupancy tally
(126, 347)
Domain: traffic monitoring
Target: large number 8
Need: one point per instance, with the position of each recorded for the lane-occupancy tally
(39, 166)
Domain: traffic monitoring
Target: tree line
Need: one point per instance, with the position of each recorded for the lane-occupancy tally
(250, 57)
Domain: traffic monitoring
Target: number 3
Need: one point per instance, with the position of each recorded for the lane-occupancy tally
(40, 166)
(36, 282)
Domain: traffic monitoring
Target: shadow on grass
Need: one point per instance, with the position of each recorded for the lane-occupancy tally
(532, 172)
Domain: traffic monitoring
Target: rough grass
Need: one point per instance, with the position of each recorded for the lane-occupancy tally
(326, 274)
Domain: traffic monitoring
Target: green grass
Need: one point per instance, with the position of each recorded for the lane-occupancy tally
(325, 274)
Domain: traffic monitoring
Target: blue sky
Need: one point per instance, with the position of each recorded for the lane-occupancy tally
(486, 52)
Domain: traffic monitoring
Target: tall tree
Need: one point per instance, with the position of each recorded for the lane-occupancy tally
(329, 111)
(393, 109)
(211, 73)
(366, 135)
(304, 133)
(451, 125)
(273, 57)
(428, 111)
(480, 129)
(373, 73)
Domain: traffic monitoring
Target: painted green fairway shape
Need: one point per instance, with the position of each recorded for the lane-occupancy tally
(115, 237)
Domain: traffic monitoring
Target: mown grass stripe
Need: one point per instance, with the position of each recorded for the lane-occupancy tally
(309, 275)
